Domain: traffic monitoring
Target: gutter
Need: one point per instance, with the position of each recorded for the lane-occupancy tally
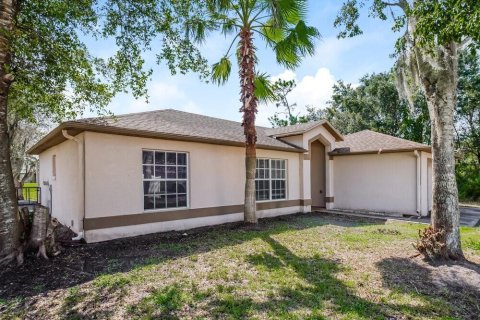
(81, 164)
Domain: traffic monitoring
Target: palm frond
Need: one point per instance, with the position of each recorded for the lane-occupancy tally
(229, 25)
(264, 88)
(298, 43)
(285, 12)
(220, 5)
(221, 71)
(197, 30)
(270, 33)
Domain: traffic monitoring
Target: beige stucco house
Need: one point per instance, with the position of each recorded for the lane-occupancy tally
(167, 170)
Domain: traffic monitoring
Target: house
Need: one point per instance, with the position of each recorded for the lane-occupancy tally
(166, 170)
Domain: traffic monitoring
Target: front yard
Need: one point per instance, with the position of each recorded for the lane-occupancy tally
(307, 266)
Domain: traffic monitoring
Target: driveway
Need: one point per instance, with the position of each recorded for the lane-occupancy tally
(470, 216)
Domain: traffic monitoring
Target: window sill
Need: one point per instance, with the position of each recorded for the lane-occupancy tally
(276, 200)
(165, 210)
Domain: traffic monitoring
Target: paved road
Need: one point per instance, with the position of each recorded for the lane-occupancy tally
(470, 216)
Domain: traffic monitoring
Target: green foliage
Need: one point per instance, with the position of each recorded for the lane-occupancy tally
(279, 23)
(29, 191)
(161, 303)
(437, 22)
(264, 91)
(287, 116)
(445, 21)
(112, 282)
(57, 76)
(467, 120)
(468, 179)
(375, 105)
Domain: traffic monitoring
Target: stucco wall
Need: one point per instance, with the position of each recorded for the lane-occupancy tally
(384, 183)
(66, 200)
(216, 173)
(295, 140)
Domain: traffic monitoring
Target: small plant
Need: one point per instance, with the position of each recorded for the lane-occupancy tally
(74, 296)
(160, 303)
(432, 243)
(111, 281)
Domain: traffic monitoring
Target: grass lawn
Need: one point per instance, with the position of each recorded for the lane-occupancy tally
(29, 193)
(308, 266)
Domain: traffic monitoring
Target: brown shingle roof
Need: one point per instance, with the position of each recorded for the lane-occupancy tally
(368, 141)
(168, 124)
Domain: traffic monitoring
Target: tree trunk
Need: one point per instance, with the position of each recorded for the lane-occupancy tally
(249, 109)
(438, 74)
(42, 234)
(10, 247)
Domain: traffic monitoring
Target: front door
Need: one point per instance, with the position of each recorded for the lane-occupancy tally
(317, 171)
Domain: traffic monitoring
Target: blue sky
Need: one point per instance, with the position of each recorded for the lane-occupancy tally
(335, 59)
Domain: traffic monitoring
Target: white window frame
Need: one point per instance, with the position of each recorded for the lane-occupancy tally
(270, 179)
(187, 190)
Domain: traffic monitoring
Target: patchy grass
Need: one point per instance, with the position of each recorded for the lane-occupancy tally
(299, 267)
(471, 239)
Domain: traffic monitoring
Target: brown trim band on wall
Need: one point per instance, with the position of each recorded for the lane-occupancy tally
(306, 156)
(329, 199)
(306, 202)
(164, 216)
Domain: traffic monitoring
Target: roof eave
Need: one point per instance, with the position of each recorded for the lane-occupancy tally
(328, 126)
(44, 144)
(381, 151)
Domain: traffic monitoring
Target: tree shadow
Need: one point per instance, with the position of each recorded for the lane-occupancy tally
(317, 288)
(324, 293)
(77, 265)
(456, 282)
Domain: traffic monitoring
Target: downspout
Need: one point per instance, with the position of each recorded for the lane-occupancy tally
(81, 152)
(418, 184)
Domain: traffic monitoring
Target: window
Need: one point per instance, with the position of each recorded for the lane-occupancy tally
(165, 177)
(270, 179)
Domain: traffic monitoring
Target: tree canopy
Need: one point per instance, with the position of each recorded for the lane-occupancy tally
(56, 74)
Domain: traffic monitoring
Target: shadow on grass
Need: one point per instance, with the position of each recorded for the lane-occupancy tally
(320, 287)
(455, 282)
(320, 293)
(77, 265)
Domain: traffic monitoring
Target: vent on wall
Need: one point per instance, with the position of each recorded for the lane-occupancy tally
(54, 167)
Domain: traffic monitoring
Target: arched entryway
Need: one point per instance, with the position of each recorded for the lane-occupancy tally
(318, 173)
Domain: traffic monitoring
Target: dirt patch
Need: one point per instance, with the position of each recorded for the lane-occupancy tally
(80, 263)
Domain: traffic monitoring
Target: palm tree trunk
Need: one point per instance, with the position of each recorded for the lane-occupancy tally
(249, 109)
(10, 247)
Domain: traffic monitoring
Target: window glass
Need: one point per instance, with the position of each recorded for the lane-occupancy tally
(165, 178)
(270, 179)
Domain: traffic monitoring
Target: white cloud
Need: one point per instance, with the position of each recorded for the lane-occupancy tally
(161, 96)
(311, 90)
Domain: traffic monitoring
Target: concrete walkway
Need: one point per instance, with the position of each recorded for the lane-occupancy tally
(469, 216)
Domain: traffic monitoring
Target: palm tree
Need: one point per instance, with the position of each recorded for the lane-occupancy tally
(281, 25)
